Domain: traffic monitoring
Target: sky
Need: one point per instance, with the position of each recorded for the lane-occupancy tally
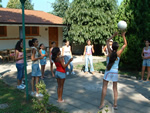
(42, 5)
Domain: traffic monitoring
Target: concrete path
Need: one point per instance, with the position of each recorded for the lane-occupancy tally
(82, 93)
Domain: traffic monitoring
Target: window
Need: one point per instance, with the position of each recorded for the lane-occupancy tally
(32, 31)
(3, 31)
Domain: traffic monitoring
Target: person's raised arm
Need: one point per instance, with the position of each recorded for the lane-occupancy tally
(108, 40)
(124, 45)
(62, 62)
(93, 48)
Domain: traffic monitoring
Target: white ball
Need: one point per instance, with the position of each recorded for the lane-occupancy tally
(122, 25)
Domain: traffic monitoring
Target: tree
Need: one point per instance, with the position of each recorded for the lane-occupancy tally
(91, 19)
(0, 4)
(16, 4)
(136, 13)
(60, 7)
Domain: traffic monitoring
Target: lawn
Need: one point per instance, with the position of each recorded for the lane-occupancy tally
(101, 66)
(16, 101)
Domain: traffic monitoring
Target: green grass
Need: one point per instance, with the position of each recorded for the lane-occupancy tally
(16, 100)
(101, 66)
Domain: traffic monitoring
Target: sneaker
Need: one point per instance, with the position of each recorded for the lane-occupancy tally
(67, 73)
(73, 73)
(22, 81)
(33, 93)
(39, 95)
(20, 87)
(23, 85)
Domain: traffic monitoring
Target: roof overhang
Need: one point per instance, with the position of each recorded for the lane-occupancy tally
(32, 24)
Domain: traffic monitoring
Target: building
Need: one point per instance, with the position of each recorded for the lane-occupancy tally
(38, 24)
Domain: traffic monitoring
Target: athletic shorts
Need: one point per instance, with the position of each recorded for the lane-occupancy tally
(43, 61)
(60, 75)
(36, 72)
(111, 75)
(146, 62)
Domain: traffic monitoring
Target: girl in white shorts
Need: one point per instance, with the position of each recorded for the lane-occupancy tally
(111, 72)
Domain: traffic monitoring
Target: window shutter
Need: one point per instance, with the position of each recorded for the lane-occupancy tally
(3, 31)
(27, 30)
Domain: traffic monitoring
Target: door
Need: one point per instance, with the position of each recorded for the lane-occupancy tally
(53, 35)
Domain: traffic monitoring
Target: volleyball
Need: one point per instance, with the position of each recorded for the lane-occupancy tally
(122, 25)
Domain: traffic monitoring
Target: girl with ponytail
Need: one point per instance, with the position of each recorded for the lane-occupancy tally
(111, 72)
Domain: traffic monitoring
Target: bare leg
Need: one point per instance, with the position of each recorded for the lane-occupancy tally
(148, 71)
(104, 90)
(115, 93)
(61, 89)
(19, 82)
(58, 89)
(37, 81)
(42, 70)
(52, 70)
(32, 83)
(143, 70)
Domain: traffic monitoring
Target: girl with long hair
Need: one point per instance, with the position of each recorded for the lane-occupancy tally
(60, 71)
(146, 60)
(36, 73)
(19, 63)
(111, 72)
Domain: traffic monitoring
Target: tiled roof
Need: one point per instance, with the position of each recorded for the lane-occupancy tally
(31, 17)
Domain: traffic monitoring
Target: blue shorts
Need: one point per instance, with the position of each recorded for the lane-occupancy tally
(43, 61)
(60, 75)
(20, 69)
(36, 72)
(146, 62)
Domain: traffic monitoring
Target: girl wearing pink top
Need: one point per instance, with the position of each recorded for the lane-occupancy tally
(19, 64)
(146, 60)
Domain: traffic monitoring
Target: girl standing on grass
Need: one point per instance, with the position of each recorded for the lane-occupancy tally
(19, 63)
(36, 73)
(50, 57)
(111, 72)
(146, 60)
(42, 61)
(88, 50)
(60, 71)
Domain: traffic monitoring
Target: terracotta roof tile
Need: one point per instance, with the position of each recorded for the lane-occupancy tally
(31, 16)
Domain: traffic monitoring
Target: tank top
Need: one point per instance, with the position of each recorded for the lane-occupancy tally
(116, 64)
(43, 52)
(36, 56)
(59, 67)
(67, 50)
(89, 50)
(21, 60)
(146, 52)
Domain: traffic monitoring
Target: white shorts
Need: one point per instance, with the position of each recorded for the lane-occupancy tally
(111, 75)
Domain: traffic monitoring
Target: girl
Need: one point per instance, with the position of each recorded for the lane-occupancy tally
(60, 71)
(36, 73)
(43, 61)
(50, 54)
(88, 50)
(146, 60)
(66, 52)
(111, 73)
(19, 64)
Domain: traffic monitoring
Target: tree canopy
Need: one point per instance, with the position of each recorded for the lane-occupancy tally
(16, 4)
(91, 19)
(0, 4)
(137, 15)
(60, 7)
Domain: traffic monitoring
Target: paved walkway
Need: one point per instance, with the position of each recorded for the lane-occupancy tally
(82, 93)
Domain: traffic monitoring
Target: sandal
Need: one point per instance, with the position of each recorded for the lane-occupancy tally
(115, 107)
(61, 101)
(101, 107)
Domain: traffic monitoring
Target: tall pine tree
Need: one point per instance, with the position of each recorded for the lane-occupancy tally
(16, 4)
(91, 19)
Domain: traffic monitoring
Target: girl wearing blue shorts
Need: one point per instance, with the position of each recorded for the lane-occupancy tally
(36, 73)
(60, 71)
(42, 61)
(111, 72)
(146, 60)
(19, 64)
